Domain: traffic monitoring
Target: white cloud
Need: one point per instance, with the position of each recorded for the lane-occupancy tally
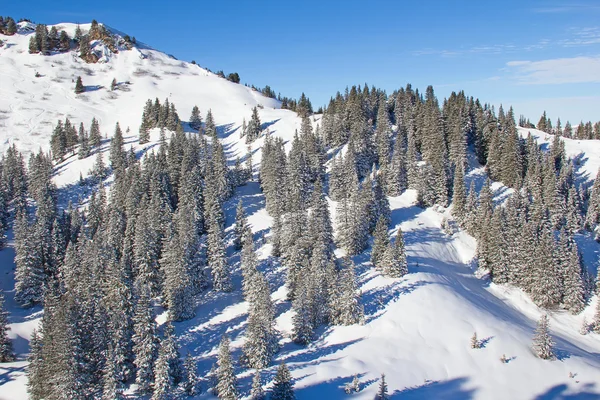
(557, 71)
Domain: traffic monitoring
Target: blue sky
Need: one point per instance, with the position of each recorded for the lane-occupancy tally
(534, 55)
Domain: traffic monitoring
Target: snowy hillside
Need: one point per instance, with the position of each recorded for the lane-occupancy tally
(417, 328)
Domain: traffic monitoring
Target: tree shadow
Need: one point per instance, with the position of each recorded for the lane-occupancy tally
(92, 88)
(376, 301)
(330, 389)
(450, 389)
(484, 342)
(6, 374)
(266, 125)
(558, 392)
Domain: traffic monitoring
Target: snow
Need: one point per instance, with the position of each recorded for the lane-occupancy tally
(417, 329)
(586, 153)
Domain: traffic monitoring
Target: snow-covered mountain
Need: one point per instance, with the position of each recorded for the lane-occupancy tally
(417, 329)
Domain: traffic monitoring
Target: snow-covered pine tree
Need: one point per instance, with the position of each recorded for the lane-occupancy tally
(195, 119)
(177, 284)
(474, 341)
(380, 242)
(593, 210)
(283, 386)
(302, 321)
(190, 383)
(254, 126)
(396, 174)
(226, 380)
(144, 340)
(241, 226)
(84, 145)
(35, 369)
(163, 381)
(95, 137)
(117, 155)
(29, 273)
(6, 349)
(393, 263)
(257, 392)
(542, 341)
(571, 268)
(79, 88)
(382, 392)
(346, 308)
(261, 336)
(459, 196)
(111, 387)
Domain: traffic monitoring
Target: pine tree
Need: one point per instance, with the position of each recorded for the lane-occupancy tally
(163, 381)
(29, 272)
(254, 126)
(393, 262)
(33, 45)
(95, 137)
(302, 321)
(35, 369)
(283, 387)
(226, 380)
(596, 321)
(574, 290)
(190, 385)
(261, 337)
(474, 341)
(79, 88)
(380, 242)
(117, 155)
(241, 226)
(144, 340)
(542, 341)
(257, 392)
(195, 119)
(459, 196)
(345, 301)
(6, 349)
(111, 386)
(382, 392)
(84, 145)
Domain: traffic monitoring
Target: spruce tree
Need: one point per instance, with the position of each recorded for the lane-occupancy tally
(144, 340)
(29, 272)
(257, 392)
(393, 263)
(459, 196)
(226, 379)
(380, 242)
(195, 119)
(283, 386)
(382, 392)
(79, 88)
(6, 349)
(241, 226)
(95, 137)
(302, 321)
(163, 381)
(542, 341)
(346, 308)
(190, 385)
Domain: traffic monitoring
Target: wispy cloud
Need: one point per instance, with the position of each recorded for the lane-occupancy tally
(563, 9)
(582, 37)
(480, 49)
(556, 71)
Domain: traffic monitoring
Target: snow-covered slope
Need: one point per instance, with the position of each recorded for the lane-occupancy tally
(586, 153)
(417, 329)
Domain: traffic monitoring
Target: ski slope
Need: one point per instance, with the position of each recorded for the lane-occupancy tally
(417, 329)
